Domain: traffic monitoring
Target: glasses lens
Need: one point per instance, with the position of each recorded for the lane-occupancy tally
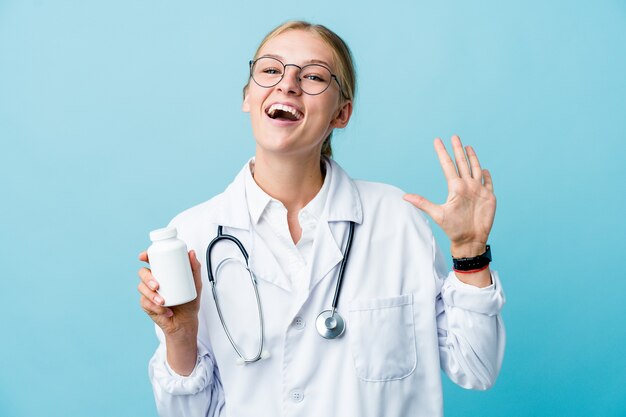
(314, 79)
(267, 72)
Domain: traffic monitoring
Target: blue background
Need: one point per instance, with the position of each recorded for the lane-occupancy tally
(116, 115)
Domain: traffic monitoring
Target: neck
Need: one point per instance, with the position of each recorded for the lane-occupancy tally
(294, 181)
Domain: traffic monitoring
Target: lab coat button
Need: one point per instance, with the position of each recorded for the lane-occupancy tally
(299, 323)
(296, 395)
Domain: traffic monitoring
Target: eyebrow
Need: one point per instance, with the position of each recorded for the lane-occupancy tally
(310, 61)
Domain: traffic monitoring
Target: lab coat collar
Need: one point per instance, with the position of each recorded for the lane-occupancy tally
(258, 200)
(230, 207)
(342, 204)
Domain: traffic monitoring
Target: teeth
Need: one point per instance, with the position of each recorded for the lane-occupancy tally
(275, 107)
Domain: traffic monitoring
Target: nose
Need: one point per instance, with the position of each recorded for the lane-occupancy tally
(290, 83)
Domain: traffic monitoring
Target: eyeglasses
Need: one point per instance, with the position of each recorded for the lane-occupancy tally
(314, 79)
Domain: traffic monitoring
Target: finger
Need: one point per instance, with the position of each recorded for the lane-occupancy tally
(143, 256)
(477, 171)
(460, 157)
(433, 210)
(150, 294)
(448, 167)
(488, 181)
(147, 278)
(195, 264)
(195, 269)
(153, 310)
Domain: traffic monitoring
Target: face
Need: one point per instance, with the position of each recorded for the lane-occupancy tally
(312, 118)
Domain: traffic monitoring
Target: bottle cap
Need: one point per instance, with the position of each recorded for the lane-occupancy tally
(161, 234)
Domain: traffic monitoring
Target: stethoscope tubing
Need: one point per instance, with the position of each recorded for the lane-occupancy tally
(220, 236)
(223, 236)
(342, 267)
(327, 331)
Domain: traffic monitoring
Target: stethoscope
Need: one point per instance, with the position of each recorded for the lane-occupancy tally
(329, 323)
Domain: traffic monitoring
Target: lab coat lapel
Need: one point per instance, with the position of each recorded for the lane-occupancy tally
(265, 266)
(326, 253)
(343, 205)
(231, 211)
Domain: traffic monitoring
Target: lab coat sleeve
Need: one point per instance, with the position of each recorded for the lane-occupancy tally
(469, 327)
(198, 395)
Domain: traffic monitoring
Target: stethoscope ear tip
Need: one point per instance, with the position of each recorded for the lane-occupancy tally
(240, 361)
(265, 354)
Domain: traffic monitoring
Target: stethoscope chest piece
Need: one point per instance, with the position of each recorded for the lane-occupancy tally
(330, 325)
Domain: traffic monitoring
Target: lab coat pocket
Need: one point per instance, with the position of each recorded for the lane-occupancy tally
(382, 335)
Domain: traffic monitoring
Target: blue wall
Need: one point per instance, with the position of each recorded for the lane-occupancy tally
(94, 96)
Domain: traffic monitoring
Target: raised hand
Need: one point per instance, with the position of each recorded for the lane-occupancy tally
(467, 215)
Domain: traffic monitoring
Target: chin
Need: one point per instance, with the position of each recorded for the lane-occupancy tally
(284, 147)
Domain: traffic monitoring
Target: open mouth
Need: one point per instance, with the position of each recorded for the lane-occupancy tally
(284, 112)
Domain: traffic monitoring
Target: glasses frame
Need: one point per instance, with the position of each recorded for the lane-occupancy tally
(300, 68)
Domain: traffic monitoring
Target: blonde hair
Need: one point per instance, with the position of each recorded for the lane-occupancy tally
(341, 55)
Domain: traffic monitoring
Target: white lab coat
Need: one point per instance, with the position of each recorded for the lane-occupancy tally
(406, 317)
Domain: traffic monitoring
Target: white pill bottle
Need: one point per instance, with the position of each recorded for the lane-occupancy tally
(170, 266)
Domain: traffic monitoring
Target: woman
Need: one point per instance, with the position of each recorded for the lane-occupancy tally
(293, 208)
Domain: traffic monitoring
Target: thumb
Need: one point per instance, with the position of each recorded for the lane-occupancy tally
(424, 204)
(195, 269)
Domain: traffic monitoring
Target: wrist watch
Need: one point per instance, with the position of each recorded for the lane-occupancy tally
(476, 262)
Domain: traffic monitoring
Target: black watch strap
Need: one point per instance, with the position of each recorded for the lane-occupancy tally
(469, 264)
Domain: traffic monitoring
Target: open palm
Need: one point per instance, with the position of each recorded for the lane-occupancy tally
(468, 213)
